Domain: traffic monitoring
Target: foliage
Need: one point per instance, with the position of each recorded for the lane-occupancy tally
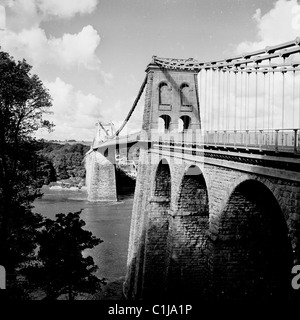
(25, 237)
(66, 159)
(23, 102)
(62, 267)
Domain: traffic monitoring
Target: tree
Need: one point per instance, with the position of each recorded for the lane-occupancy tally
(23, 103)
(61, 266)
(67, 160)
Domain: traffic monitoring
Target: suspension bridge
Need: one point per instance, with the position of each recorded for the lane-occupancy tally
(217, 197)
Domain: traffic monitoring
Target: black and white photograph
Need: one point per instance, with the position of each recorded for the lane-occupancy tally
(150, 154)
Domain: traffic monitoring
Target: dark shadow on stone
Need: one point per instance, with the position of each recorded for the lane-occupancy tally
(125, 184)
(252, 255)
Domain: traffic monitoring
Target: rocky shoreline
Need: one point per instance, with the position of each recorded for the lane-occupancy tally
(68, 184)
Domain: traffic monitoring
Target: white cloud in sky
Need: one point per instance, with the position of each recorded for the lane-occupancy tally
(68, 51)
(78, 49)
(70, 104)
(107, 77)
(280, 24)
(74, 113)
(38, 10)
(21, 14)
(66, 8)
(2, 17)
(25, 38)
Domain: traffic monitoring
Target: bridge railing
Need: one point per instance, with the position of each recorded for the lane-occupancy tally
(278, 140)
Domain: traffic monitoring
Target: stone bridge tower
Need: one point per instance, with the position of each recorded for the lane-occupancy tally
(171, 102)
(171, 113)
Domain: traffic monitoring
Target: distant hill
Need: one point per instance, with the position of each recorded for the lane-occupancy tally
(71, 142)
(64, 160)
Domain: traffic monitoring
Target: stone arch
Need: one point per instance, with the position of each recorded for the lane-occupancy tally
(188, 270)
(266, 182)
(156, 240)
(252, 254)
(162, 180)
(184, 123)
(105, 153)
(184, 94)
(164, 94)
(164, 123)
(193, 196)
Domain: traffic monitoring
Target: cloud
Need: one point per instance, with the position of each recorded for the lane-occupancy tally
(74, 113)
(280, 24)
(66, 8)
(21, 14)
(78, 49)
(71, 50)
(2, 17)
(25, 38)
(107, 77)
(27, 13)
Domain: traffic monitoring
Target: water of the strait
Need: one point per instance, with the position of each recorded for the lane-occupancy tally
(109, 221)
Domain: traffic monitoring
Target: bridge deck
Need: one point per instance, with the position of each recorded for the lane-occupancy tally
(278, 141)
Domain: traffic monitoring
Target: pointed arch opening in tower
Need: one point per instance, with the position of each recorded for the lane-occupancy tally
(184, 94)
(164, 123)
(164, 94)
(184, 123)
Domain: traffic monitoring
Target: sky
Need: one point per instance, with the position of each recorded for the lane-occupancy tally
(92, 54)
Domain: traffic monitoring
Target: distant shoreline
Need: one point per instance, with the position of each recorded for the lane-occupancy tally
(67, 185)
(83, 188)
(70, 142)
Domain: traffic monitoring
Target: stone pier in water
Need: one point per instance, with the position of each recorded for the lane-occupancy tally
(100, 177)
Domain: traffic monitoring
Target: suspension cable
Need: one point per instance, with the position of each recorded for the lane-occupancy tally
(248, 97)
(273, 98)
(264, 103)
(294, 99)
(219, 98)
(212, 99)
(235, 99)
(200, 95)
(299, 104)
(241, 105)
(228, 101)
(283, 102)
(206, 102)
(224, 101)
(256, 102)
(208, 106)
(246, 92)
(269, 98)
(132, 108)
